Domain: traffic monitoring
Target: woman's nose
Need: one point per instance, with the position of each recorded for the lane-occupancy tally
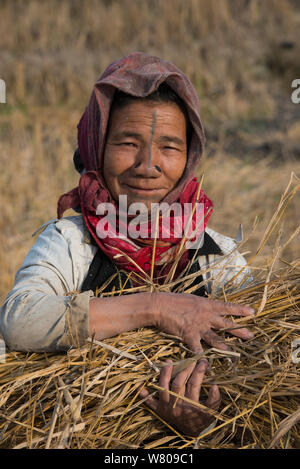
(147, 163)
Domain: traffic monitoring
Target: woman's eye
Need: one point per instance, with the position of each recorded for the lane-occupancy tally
(128, 144)
(170, 148)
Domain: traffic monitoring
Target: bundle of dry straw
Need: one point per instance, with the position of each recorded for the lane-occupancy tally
(89, 397)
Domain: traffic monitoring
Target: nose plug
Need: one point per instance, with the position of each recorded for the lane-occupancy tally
(156, 167)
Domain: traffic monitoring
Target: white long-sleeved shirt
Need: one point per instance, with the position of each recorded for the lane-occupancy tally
(46, 310)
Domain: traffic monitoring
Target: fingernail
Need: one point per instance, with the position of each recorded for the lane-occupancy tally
(203, 363)
(203, 360)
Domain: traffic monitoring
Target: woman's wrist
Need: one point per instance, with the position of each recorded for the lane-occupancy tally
(144, 308)
(161, 307)
(155, 301)
(110, 316)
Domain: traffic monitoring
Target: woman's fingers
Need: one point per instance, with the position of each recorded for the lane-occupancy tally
(226, 323)
(179, 383)
(150, 401)
(214, 340)
(192, 340)
(164, 382)
(213, 400)
(232, 309)
(238, 310)
(243, 333)
(193, 386)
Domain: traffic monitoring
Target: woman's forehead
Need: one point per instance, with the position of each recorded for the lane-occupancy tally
(141, 115)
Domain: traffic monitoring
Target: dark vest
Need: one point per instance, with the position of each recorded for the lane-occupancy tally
(102, 268)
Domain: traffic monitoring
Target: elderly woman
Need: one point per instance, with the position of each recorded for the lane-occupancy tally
(141, 137)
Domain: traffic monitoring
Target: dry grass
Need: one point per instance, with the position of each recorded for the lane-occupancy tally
(89, 397)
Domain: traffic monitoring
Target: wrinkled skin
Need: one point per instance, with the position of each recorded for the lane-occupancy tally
(187, 418)
(142, 137)
(194, 318)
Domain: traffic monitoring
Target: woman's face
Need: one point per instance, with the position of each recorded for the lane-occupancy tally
(145, 152)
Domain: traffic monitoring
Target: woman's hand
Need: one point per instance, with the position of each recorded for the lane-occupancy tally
(190, 317)
(193, 318)
(187, 418)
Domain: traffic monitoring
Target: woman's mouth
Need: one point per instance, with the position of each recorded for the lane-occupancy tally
(141, 189)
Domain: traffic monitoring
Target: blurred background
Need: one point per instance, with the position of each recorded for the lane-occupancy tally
(241, 55)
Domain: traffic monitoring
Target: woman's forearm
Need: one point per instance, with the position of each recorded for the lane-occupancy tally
(189, 317)
(112, 316)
